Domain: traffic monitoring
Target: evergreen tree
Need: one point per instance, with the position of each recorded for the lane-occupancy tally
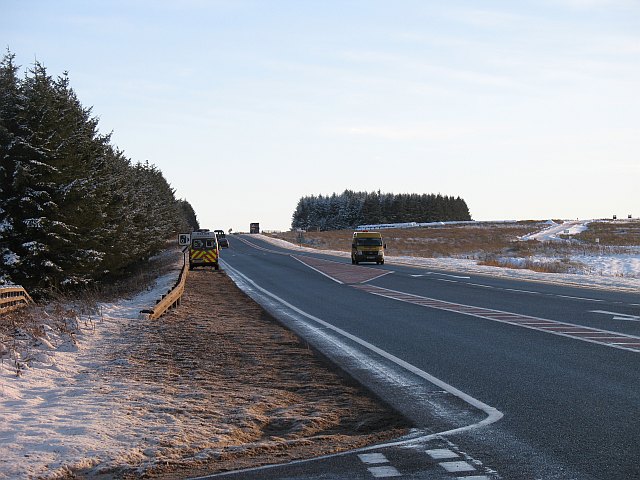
(371, 211)
(188, 218)
(10, 105)
(72, 208)
(350, 209)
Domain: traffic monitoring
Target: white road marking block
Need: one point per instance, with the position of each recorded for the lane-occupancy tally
(618, 316)
(441, 454)
(372, 458)
(384, 472)
(453, 467)
(474, 477)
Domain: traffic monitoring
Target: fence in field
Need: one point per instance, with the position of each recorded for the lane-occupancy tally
(12, 297)
(172, 297)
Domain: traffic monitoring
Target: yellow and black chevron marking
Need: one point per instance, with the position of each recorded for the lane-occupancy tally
(207, 256)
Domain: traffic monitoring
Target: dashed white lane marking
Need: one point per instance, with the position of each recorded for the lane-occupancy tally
(372, 458)
(516, 290)
(584, 299)
(474, 477)
(455, 467)
(384, 472)
(618, 316)
(464, 277)
(442, 454)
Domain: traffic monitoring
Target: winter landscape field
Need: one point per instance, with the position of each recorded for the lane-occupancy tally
(583, 252)
(79, 396)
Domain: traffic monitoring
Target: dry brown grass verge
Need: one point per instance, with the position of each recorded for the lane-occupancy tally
(613, 233)
(437, 241)
(556, 266)
(257, 393)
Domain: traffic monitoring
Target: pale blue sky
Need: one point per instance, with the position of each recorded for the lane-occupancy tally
(526, 109)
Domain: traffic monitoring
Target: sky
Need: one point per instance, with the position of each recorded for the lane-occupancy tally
(526, 110)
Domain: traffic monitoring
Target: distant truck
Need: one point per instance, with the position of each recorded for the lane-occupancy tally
(254, 227)
(204, 250)
(367, 247)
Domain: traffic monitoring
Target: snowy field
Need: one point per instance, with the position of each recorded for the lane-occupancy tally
(606, 270)
(59, 412)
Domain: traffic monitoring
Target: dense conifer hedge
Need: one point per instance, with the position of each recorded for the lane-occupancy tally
(73, 208)
(350, 209)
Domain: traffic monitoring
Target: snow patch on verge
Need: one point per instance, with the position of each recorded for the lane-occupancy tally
(59, 415)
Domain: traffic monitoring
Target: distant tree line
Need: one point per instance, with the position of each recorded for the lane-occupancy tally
(73, 208)
(350, 209)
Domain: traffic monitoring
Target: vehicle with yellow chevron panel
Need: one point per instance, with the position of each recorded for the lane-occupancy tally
(203, 249)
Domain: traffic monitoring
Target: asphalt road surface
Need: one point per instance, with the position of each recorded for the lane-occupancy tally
(501, 378)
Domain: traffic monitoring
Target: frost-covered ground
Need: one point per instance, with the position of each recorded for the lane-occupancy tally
(554, 230)
(122, 396)
(605, 270)
(59, 410)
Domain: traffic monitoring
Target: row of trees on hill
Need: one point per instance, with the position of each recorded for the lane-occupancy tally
(350, 209)
(73, 208)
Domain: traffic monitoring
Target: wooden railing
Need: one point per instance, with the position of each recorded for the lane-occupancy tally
(171, 299)
(13, 297)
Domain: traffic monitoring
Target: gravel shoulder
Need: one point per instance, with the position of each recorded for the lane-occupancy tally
(241, 390)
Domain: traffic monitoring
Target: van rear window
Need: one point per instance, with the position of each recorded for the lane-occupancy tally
(203, 244)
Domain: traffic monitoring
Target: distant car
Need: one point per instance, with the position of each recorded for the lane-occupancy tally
(223, 242)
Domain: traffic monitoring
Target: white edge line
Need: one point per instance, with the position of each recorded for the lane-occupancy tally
(398, 361)
(493, 414)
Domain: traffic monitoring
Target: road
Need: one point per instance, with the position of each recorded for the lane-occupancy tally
(502, 378)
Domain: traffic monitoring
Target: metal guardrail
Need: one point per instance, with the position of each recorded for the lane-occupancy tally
(13, 297)
(171, 299)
